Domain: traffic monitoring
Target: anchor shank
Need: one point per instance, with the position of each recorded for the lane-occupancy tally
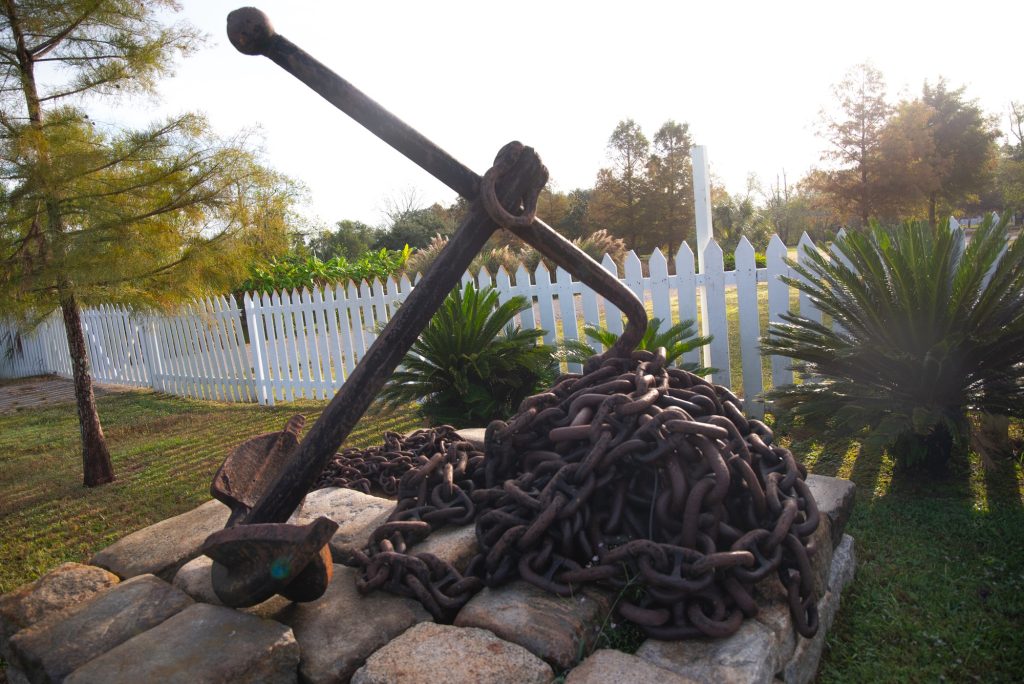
(246, 31)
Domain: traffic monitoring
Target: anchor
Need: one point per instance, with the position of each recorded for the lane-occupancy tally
(264, 480)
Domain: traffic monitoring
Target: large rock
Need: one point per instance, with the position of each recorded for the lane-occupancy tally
(556, 629)
(196, 579)
(63, 587)
(338, 631)
(834, 497)
(161, 549)
(844, 565)
(456, 545)
(820, 549)
(776, 617)
(201, 645)
(53, 649)
(474, 436)
(443, 654)
(357, 515)
(803, 666)
(608, 666)
(746, 657)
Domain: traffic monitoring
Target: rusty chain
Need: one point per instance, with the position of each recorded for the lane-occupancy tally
(635, 476)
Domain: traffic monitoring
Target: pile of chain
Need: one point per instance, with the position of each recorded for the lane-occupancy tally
(377, 470)
(635, 476)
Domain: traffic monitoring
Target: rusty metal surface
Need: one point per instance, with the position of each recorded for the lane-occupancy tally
(510, 193)
(254, 562)
(635, 476)
(252, 465)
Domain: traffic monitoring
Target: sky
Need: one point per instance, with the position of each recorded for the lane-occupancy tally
(750, 79)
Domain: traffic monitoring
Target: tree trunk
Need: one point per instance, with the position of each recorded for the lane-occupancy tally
(96, 466)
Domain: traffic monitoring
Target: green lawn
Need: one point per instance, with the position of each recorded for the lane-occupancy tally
(939, 592)
(165, 451)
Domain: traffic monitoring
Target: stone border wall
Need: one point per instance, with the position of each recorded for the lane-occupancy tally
(144, 610)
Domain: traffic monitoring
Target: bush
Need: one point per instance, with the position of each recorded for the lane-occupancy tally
(292, 272)
(729, 259)
(471, 365)
(928, 331)
(677, 340)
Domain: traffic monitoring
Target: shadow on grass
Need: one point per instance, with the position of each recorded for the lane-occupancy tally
(939, 592)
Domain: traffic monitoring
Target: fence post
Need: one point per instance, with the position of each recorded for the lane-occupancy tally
(705, 235)
(263, 395)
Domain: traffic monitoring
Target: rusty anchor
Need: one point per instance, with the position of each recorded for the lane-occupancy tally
(264, 480)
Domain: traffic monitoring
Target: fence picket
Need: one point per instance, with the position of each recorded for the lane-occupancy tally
(686, 294)
(612, 314)
(749, 327)
(713, 317)
(807, 308)
(778, 303)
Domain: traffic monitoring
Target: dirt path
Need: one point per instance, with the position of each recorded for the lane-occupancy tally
(45, 390)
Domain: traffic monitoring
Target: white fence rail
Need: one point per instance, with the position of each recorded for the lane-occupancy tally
(304, 344)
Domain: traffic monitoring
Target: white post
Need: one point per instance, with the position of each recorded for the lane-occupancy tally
(702, 213)
(701, 200)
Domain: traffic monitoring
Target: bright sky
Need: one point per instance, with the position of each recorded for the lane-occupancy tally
(749, 78)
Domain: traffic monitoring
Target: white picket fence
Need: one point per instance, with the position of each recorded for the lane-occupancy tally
(304, 344)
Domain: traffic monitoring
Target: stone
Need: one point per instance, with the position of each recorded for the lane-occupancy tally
(747, 656)
(834, 497)
(15, 676)
(201, 644)
(162, 549)
(609, 666)
(775, 616)
(195, 579)
(820, 547)
(556, 629)
(474, 436)
(53, 649)
(803, 666)
(444, 654)
(357, 515)
(338, 631)
(456, 545)
(844, 565)
(65, 586)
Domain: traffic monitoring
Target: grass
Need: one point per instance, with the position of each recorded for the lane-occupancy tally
(939, 591)
(165, 451)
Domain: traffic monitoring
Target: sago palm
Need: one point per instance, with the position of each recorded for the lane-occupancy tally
(928, 327)
(676, 341)
(471, 365)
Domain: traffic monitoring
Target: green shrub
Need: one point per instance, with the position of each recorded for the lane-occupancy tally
(471, 365)
(930, 330)
(729, 259)
(293, 272)
(676, 340)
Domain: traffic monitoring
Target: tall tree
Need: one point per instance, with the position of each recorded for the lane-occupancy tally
(617, 203)
(965, 138)
(670, 171)
(349, 240)
(910, 167)
(96, 214)
(1010, 168)
(854, 135)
